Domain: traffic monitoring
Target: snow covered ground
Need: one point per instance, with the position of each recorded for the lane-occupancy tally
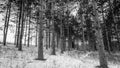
(10, 57)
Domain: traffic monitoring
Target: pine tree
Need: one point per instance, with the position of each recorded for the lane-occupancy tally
(40, 27)
(100, 45)
(7, 18)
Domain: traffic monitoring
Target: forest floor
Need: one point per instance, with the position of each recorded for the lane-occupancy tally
(10, 57)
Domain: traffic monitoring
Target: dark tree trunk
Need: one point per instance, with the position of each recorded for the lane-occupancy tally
(19, 25)
(6, 23)
(49, 34)
(22, 27)
(40, 26)
(53, 42)
(69, 39)
(57, 40)
(61, 37)
(102, 57)
(16, 32)
(64, 39)
(36, 41)
(40, 40)
(46, 39)
(53, 32)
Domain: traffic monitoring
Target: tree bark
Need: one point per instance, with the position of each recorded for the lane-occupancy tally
(40, 24)
(46, 36)
(53, 40)
(36, 41)
(19, 24)
(83, 35)
(22, 27)
(6, 23)
(102, 57)
(49, 34)
(28, 42)
(26, 28)
(16, 32)
(69, 39)
(40, 40)
(61, 37)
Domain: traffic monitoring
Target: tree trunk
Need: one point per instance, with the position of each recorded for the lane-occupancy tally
(53, 43)
(36, 41)
(6, 23)
(16, 32)
(40, 23)
(49, 34)
(28, 42)
(46, 36)
(62, 37)
(102, 57)
(21, 28)
(57, 40)
(19, 25)
(83, 35)
(31, 37)
(26, 28)
(40, 40)
(69, 39)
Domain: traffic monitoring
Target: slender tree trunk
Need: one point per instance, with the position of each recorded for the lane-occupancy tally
(36, 39)
(4, 43)
(16, 32)
(36, 34)
(49, 34)
(108, 42)
(6, 23)
(31, 38)
(26, 28)
(62, 37)
(21, 28)
(83, 35)
(53, 41)
(19, 25)
(28, 42)
(46, 36)
(69, 39)
(46, 39)
(57, 38)
(53, 37)
(102, 57)
(53, 32)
